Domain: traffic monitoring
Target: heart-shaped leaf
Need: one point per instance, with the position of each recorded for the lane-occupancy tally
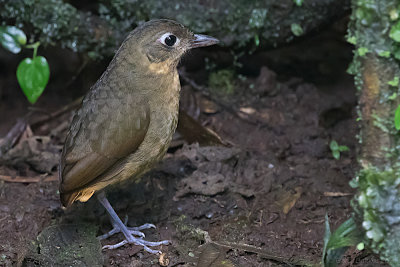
(33, 75)
(12, 38)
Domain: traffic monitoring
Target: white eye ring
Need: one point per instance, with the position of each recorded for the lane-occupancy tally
(169, 39)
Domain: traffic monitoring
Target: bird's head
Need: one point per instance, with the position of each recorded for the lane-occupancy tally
(165, 41)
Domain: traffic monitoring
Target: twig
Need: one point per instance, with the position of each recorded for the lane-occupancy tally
(205, 92)
(71, 106)
(192, 83)
(264, 254)
(78, 73)
(337, 194)
(13, 135)
(16, 131)
(256, 250)
(23, 179)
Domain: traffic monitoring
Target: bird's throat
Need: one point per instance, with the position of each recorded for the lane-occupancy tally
(162, 68)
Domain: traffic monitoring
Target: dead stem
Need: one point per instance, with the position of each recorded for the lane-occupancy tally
(206, 93)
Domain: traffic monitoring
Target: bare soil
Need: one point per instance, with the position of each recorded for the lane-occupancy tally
(260, 202)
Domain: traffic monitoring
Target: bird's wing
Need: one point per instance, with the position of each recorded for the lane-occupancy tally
(105, 130)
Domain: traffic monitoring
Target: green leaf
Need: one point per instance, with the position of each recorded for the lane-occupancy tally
(394, 82)
(12, 38)
(385, 54)
(17, 34)
(394, 14)
(361, 246)
(352, 69)
(346, 235)
(397, 118)
(327, 236)
(296, 29)
(334, 145)
(33, 75)
(354, 183)
(362, 51)
(396, 52)
(343, 148)
(256, 40)
(298, 2)
(352, 40)
(395, 32)
(393, 96)
(336, 154)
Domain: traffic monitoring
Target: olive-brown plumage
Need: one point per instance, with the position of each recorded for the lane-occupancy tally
(128, 117)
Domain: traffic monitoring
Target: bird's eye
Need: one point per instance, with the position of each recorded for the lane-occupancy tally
(169, 39)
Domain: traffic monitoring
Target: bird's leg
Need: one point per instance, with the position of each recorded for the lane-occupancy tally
(132, 230)
(128, 232)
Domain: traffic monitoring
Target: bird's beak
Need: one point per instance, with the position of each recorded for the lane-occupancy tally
(203, 40)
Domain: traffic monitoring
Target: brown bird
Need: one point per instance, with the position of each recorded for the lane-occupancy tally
(127, 119)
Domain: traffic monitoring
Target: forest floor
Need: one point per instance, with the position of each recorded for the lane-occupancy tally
(261, 201)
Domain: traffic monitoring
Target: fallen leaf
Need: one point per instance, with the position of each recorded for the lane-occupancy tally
(288, 199)
(247, 110)
(192, 131)
(212, 255)
(201, 183)
(37, 151)
(208, 106)
(163, 260)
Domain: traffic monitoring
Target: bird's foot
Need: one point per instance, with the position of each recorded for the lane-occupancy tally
(133, 230)
(129, 233)
(140, 242)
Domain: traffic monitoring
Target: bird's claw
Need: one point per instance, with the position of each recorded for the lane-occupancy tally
(131, 239)
(117, 230)
(140, 242)
(132, 230)
(142, 227)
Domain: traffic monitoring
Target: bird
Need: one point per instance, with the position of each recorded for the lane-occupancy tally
(127, 119)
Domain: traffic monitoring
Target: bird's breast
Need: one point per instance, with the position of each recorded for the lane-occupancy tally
(164, 108)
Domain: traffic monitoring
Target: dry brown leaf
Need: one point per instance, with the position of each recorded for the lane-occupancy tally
(208, 106)
(288, 199)
(201, 183)
(212, 255)
(163, 260)
(192, 131)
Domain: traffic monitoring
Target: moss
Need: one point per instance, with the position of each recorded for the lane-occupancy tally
(296, 29)
(386, 125)
(222, 82)
(238, 23)
(190, 237)
(379, 206)
(375, 31)
(55, 22)
(372, 29)
(66, 245)
(188, 231)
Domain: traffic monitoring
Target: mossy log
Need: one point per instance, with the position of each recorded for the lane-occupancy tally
(97, 28)
(375, 31)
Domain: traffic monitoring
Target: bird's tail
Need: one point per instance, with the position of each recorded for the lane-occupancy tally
(68, 198)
